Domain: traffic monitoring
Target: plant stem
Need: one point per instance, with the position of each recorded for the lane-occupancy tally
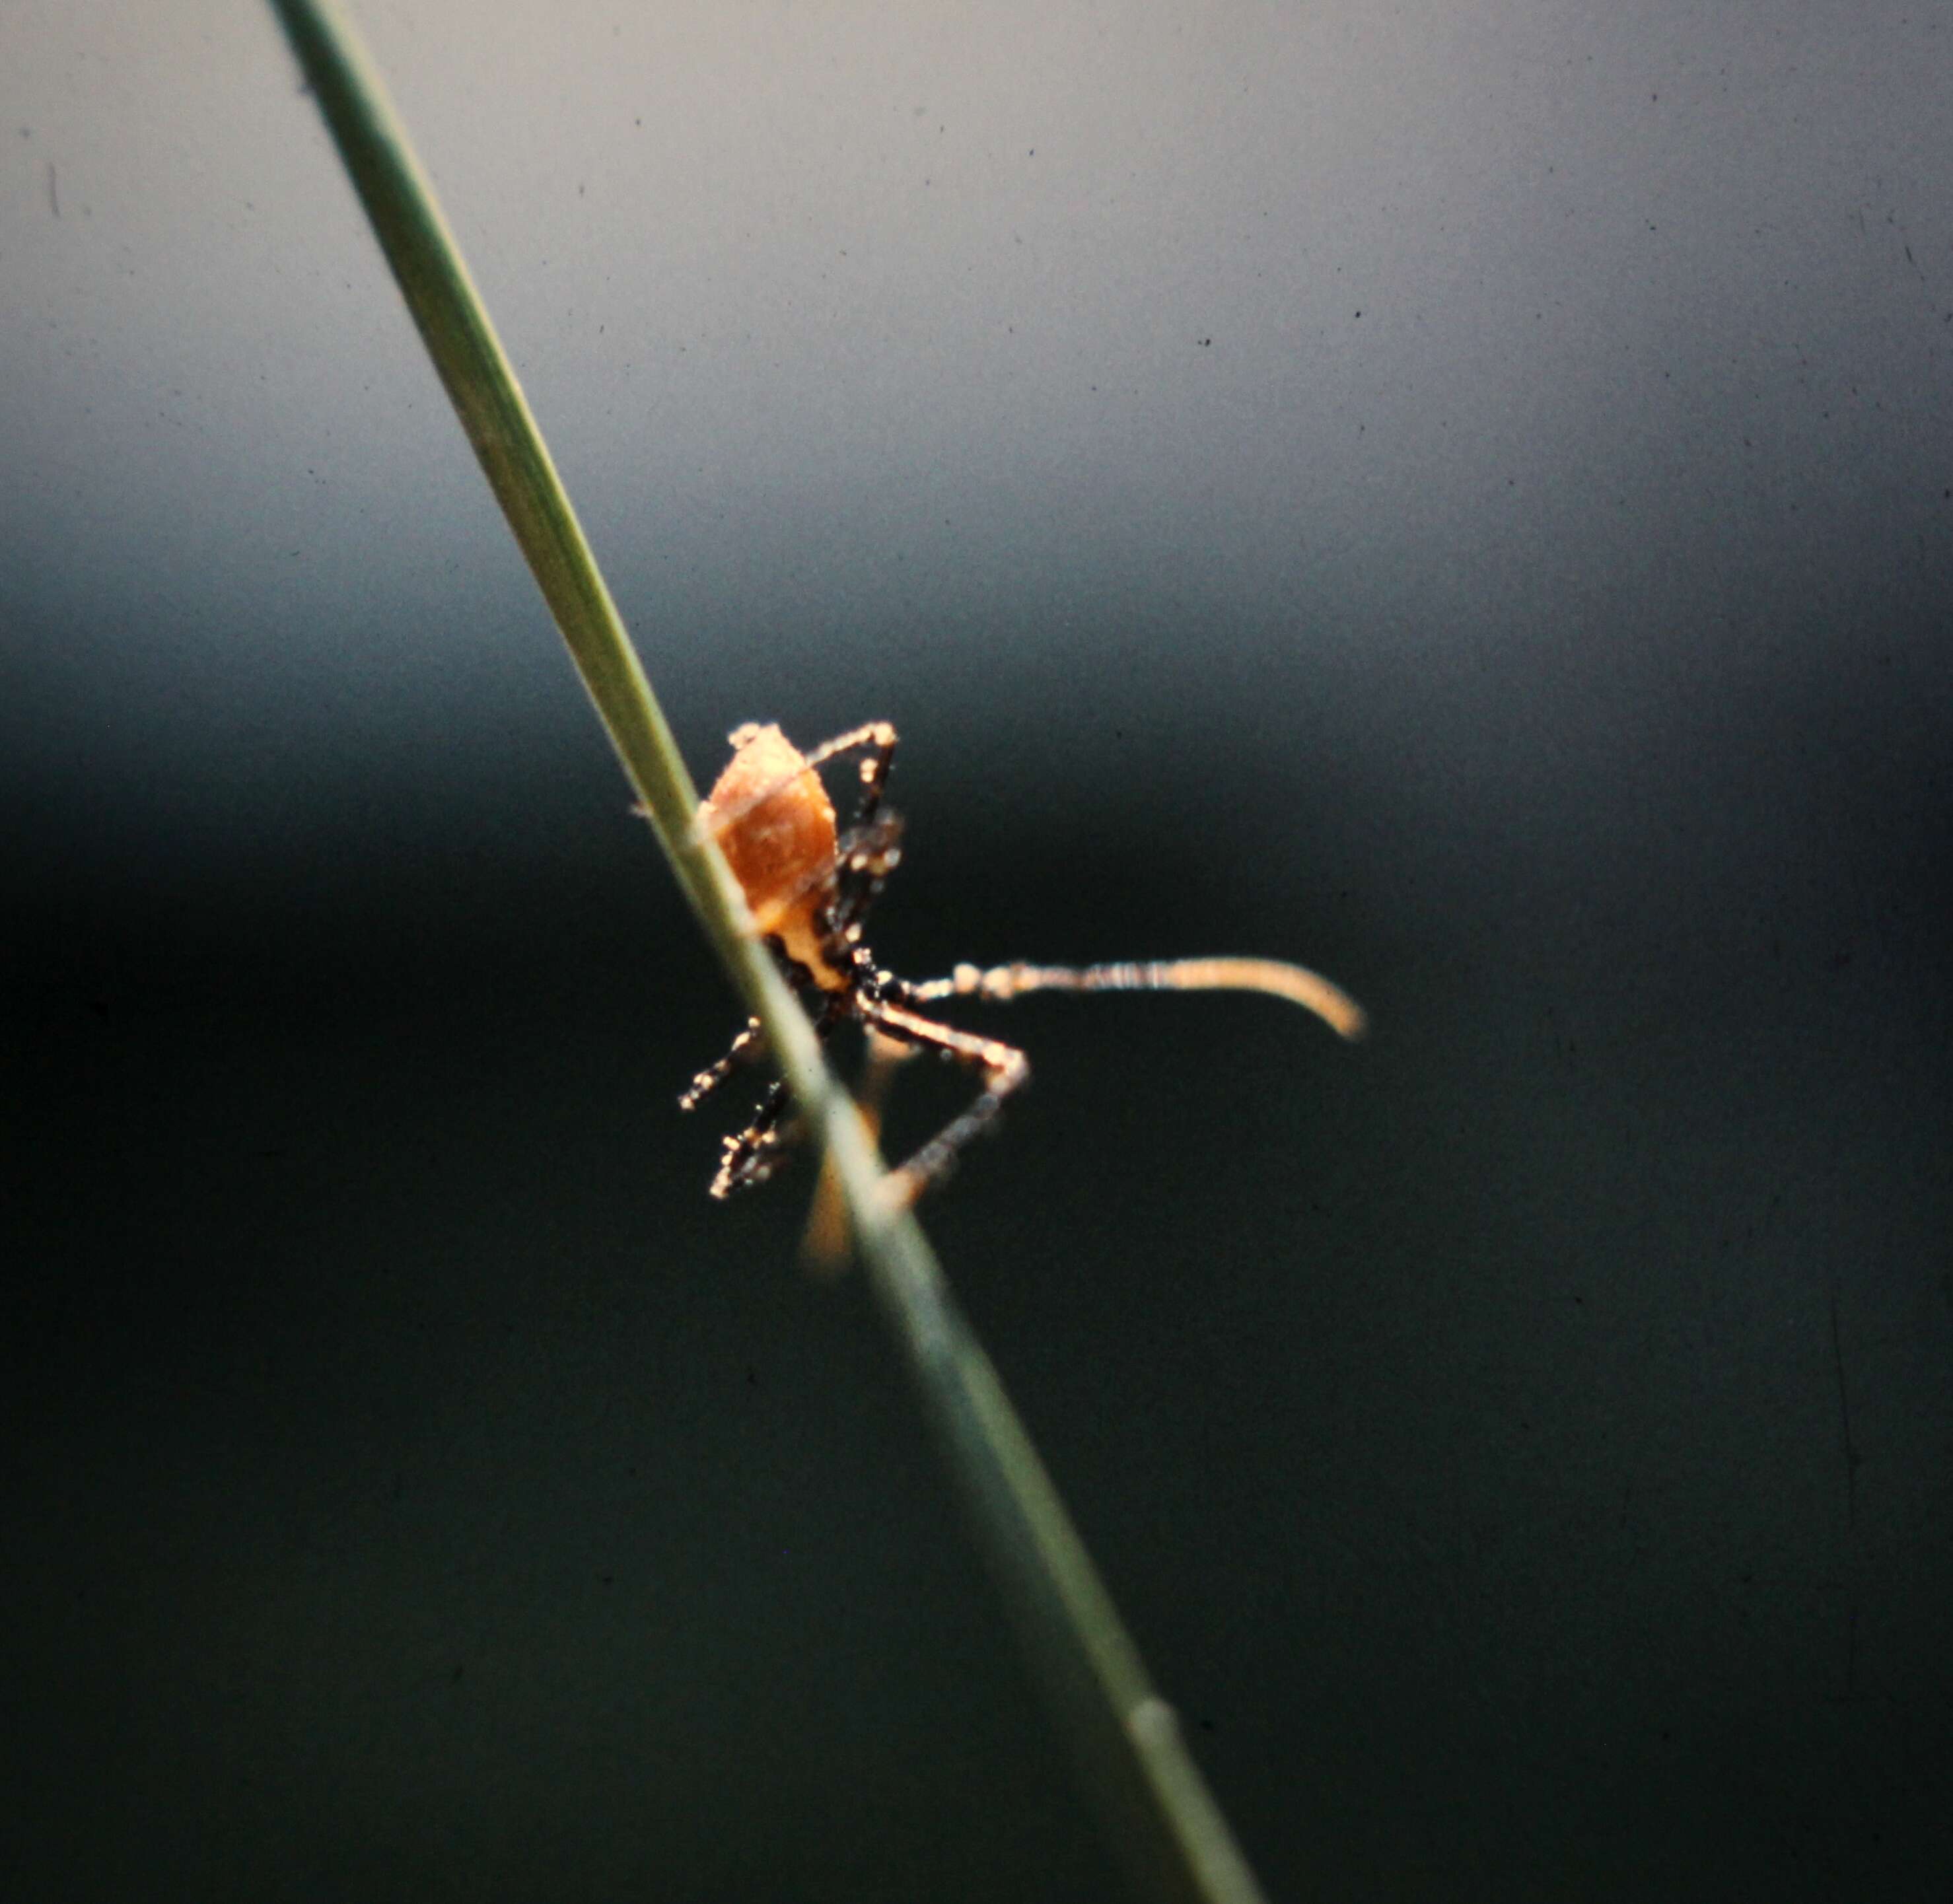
(1123, 1735)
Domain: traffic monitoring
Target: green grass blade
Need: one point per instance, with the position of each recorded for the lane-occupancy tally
(1122, 1735)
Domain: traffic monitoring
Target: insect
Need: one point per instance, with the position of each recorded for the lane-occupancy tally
(809, 886)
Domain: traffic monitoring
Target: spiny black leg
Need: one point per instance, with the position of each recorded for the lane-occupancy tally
(743, 1047)
(870, 850)
(755, 1154)
(758, 1151)
(1005, 1070)
(866, 859)
(878, 735)
(876, 768)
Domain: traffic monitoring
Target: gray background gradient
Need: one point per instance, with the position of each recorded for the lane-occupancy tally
(1459, 496)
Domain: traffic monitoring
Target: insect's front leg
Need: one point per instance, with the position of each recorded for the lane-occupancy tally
(754, 1154)
(757, 1151)
(744, 1048)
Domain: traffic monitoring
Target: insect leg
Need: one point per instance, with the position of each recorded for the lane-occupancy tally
(871, 849)
(758, 1151)
(1004, 1068)
(709, 1080)
(880, 737)
(865, 857)
(1274, 977)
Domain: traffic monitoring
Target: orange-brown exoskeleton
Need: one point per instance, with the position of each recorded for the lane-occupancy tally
(809, 886)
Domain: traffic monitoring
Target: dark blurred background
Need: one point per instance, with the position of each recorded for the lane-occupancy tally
(1460, 497)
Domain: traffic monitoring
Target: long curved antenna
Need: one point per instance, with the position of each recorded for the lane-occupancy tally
(1276, 977)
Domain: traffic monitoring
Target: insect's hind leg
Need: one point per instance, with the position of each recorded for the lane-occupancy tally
(1005, 1070)
(1274, 977)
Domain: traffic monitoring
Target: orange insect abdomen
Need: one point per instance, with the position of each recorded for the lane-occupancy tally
(774, 824)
